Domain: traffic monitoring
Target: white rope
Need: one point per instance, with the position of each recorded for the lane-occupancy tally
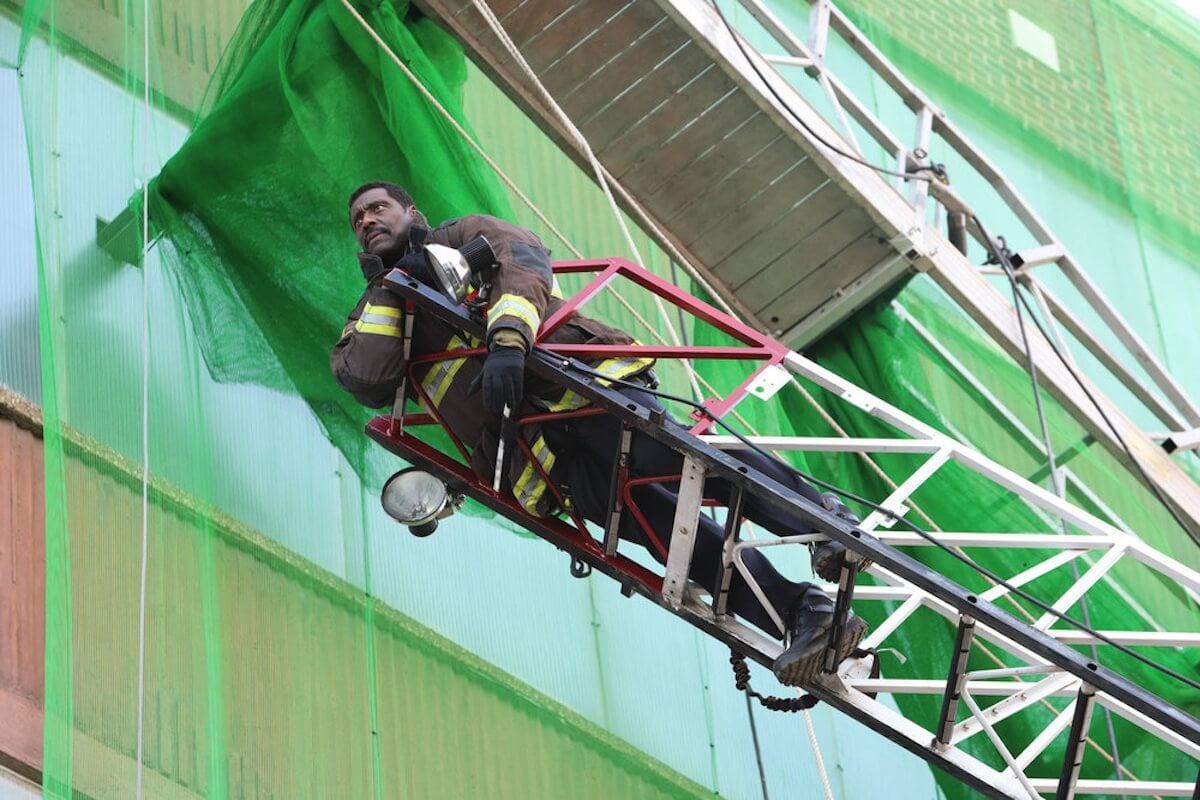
(576, 134)
(816, 748)
(433, 101)
(141, 684)
(512, 185)
(602, 176)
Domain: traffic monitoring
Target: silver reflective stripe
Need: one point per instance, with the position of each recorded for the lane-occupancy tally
(378, 319)
(530, 487)
(439, 378)
(612, 369)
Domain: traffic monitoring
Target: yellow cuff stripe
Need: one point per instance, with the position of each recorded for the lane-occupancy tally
(517, 307)
(437, 381)
(383, 311)
(530, 487)
(382, 330)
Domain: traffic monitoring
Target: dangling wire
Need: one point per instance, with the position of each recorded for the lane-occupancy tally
(1019, 300)
(816, 748)
(141, 681)
(597, 168)
(917, 529)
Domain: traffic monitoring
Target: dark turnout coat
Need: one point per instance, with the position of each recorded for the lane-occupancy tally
(368, 360)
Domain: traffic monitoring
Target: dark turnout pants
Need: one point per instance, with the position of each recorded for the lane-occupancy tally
(587, 447)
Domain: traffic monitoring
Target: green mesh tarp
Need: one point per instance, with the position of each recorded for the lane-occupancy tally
(266, 675)
(236, 667)
(308, 108)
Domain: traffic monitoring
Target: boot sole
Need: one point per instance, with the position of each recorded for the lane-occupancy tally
(805, 670)
(828, 565)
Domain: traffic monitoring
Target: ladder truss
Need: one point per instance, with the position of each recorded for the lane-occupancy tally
(634, 74)
(1038, 668)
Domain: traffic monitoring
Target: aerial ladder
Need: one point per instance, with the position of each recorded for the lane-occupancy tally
(1040, 659)
(780, 216)
(783, 217)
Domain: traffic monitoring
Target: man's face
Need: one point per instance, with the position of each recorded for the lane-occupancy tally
(381, 223)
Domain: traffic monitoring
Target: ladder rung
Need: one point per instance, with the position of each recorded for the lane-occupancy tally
(615, 504)
(958, 666)
(732, 525)
(1076, 739)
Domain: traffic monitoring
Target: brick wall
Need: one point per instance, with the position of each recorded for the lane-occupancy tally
(22, 598)
(1121, 114)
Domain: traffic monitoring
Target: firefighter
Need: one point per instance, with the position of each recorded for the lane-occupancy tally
(479, 398)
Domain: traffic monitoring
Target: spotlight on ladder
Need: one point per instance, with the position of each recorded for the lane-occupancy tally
(418, 500)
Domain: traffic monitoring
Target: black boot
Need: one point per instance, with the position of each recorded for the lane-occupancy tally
(808, 622)
(827, 556)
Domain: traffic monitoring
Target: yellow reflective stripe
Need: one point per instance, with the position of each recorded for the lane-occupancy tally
(568, 402)
(513, 305)
(383, 311)
(530, 487)
(555, 289)
(612, 369)
(374, 327)
(616, 368)
(437, 381)
(383, 320)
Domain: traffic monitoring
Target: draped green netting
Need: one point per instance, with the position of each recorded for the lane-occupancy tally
(272, 666)
(305, 108)
(245, 669)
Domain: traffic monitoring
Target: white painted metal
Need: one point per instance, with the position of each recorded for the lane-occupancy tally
(1055, 541)
(1131, 638)
(1119, 788)
(825, 444)
(1183, 493)
(1014, 703)
(683, 537)
(979, 688)
(893, 503)
(1187, 440)
(1032, 573)
(1051, 732)
(1043, 254)
(891, 215)
(1082, 585)
(1115, 544)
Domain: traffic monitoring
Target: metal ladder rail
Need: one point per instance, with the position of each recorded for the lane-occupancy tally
(913, 244)
(962, 603)
(961, 280)
(826, 17)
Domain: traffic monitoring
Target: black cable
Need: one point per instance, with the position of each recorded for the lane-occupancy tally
(912, 176)
(982, 570)
(998, 255)
(1001, 257)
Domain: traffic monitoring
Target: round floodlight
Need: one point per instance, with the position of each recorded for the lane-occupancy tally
(414, 498)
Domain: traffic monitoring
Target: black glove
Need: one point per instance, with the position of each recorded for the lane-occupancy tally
(503, 383)
(417, 265)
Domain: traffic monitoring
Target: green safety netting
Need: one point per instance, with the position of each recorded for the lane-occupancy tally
(264, 675)
(267, 675)
(286, 130)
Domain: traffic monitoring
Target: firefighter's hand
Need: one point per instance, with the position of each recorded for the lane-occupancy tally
(417, 265)
(503, 384)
